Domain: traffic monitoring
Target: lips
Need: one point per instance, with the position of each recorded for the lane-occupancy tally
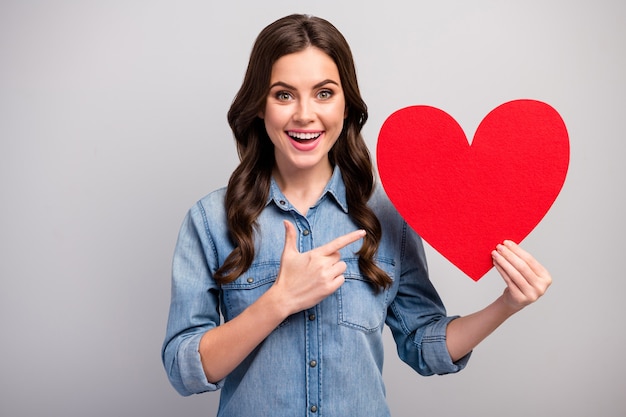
(304, 141)
(303, 136)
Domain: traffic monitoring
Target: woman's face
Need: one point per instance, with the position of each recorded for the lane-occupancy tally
(304, 111)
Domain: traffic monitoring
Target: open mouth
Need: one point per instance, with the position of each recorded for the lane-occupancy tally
(304, 137)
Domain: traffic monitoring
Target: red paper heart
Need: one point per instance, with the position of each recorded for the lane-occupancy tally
(465, 199)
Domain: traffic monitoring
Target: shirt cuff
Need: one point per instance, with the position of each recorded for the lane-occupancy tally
(435, 351)
(191, 370)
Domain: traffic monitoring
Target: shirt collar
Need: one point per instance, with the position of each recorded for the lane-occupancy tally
(335, 188)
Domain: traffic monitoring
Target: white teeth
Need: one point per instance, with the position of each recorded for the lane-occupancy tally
(304, 136)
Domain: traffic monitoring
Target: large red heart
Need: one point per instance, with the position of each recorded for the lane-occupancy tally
(465, 199)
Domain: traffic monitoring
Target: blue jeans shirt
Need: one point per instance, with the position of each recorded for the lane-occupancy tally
(325, 361)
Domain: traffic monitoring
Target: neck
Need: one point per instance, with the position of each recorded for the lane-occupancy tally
(303, 187)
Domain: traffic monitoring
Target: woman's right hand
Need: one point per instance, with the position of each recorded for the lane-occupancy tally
(307, 278)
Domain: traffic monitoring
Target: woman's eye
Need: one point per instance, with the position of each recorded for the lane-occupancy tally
(283, 95)
(325, 94)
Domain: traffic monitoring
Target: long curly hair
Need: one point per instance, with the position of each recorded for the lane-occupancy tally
(248, 187)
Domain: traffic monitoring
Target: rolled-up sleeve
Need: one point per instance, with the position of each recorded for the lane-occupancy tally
(417, 317)
(194, 306)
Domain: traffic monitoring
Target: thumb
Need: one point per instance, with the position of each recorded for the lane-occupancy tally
(290, 237)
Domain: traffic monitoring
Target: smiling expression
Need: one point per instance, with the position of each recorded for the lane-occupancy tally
(304, 111)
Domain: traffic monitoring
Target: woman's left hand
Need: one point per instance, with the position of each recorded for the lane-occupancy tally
(526, 279)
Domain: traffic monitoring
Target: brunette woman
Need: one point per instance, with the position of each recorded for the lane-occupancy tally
(305, 258)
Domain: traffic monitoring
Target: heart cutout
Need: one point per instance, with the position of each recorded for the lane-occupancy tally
(465, 199)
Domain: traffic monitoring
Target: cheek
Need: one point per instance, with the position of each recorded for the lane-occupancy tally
(274, 127)
(274, 118)
(338, 115)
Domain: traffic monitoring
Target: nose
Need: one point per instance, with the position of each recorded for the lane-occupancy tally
(304, 112)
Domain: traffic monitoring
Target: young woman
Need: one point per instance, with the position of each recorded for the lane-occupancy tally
(305, 257)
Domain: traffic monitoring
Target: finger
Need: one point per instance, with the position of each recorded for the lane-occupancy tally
(290, 237)
(332, 258)
(527, 267)
(497, 263)
(341, 242)
(534, 265)
(523, 286)
(338, 269)
(515, 267)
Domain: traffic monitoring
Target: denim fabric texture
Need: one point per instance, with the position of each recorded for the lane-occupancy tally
(325, 361)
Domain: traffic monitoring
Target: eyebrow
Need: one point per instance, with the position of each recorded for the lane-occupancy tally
(291, 87)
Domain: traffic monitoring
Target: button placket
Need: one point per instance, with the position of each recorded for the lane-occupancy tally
(306, 237)
(313, 371)
(313, 366)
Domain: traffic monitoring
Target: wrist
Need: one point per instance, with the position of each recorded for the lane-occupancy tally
(274, 303)
(505, 307)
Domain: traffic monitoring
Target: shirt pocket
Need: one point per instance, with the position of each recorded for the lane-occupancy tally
(361, 306)
(245, 290)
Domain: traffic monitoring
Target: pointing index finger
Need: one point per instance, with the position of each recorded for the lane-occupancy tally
(342, 241)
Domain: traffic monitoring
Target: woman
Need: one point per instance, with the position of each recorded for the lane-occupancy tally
(306, 259)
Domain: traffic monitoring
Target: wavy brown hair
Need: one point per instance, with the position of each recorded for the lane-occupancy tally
(248, 187)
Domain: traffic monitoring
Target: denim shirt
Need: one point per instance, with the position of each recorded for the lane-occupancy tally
(325, 361)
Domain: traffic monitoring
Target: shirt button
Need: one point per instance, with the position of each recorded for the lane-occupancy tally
(305, 232)
(313, 364)
(282, 202)
(250, 280)
(313, 408)
(311, 317)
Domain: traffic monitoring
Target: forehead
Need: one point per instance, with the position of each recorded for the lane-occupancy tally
(310, 64)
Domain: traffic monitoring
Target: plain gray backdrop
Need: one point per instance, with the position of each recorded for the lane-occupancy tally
(113, 123)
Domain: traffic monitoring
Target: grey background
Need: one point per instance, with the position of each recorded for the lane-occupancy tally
(112, 124)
